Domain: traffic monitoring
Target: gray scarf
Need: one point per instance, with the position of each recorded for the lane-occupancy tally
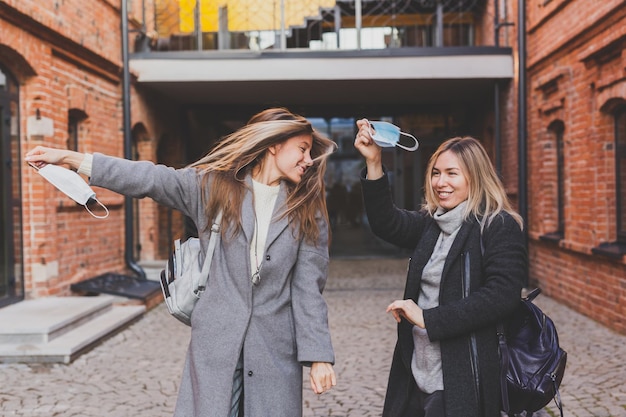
(426, 363)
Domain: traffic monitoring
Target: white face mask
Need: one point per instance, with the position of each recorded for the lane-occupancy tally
(71, 184)
(387, 135)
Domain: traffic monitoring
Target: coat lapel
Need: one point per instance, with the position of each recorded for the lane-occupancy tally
(247, 211)
(457, 247)
(421, 255)
(425, 250)
(279, 223)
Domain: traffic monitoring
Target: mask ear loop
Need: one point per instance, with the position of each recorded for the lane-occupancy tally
(101, 205)
(412, 148)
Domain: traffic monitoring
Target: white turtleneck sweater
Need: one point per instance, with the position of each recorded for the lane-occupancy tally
(264, 201)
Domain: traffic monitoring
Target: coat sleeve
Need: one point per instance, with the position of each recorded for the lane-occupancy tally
(397, 226)
(178, 189)
(497, 281)
(310, 311)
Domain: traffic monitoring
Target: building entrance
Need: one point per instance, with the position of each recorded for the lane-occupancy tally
(351, 235)
(11, 282)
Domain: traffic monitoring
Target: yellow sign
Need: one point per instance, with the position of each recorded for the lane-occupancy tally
(249, 15)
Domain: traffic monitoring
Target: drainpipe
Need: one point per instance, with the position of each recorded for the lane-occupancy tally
(128, 207)
(497, 127)
(496, 93)
(521, 120)
(521, 109)
(497, 25)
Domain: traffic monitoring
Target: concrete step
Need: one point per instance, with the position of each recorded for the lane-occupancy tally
(153, 268)
(59, 329)
(44, 319)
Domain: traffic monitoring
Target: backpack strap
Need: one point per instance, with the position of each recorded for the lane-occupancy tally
(557, 396)
(504, 359)
(206, 266)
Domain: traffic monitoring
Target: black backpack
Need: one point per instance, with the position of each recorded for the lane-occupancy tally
(533, 363)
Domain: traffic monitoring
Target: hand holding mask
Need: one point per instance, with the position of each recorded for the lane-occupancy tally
(71, 184)
(387, 135)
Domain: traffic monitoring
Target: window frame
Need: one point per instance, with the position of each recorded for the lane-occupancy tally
(556, 130)
(617, 249)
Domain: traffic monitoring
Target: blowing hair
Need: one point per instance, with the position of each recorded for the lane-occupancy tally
(486, 197)
(226, 166)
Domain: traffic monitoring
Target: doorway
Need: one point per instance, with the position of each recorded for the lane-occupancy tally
(11, 268)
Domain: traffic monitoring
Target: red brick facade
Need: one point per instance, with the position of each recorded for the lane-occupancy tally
(576, 76)
(65, 56)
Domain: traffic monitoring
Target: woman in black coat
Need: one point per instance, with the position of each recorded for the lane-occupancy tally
(446, 359)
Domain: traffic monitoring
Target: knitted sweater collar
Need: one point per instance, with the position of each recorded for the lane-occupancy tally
(450, 220)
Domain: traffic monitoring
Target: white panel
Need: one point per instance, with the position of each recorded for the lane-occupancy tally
(367, 68)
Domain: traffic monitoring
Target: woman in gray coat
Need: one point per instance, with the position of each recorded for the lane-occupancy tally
(465, 274)
(263, 316)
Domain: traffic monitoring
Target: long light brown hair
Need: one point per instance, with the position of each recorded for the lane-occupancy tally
(236, 155)
(486, 197)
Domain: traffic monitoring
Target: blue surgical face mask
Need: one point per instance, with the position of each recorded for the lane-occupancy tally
(387, 135)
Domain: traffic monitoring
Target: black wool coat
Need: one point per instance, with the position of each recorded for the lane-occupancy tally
(496, 280)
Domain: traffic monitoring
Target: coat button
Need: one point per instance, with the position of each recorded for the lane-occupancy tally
(267, 258)
(250, 373)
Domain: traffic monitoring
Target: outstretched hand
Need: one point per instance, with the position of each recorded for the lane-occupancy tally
(409, 310)
(39, 156)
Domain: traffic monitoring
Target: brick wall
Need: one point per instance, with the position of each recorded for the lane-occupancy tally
(67, 55)
(576, 68)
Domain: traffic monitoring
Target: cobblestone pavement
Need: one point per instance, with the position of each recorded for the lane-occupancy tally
(136, 372)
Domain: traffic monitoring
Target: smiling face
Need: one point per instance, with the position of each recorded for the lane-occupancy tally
(290, 159)
(448, 181)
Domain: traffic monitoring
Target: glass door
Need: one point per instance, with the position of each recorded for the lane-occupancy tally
(11, 270)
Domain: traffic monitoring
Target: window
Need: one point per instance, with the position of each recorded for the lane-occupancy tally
(617, 248)
(11, 245)
(557, 158)
(74, 120)
(558, 129)
(620, 172)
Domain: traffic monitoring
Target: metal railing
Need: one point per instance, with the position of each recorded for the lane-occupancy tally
(318, 25)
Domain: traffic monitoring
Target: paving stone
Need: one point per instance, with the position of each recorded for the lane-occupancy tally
(137, 372)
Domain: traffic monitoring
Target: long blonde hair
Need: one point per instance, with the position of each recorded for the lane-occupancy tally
(486, 197)
(234, 157)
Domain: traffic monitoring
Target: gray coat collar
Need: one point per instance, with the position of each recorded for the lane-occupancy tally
(426, 245)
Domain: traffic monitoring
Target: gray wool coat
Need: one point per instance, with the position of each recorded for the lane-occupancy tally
(278, 325)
